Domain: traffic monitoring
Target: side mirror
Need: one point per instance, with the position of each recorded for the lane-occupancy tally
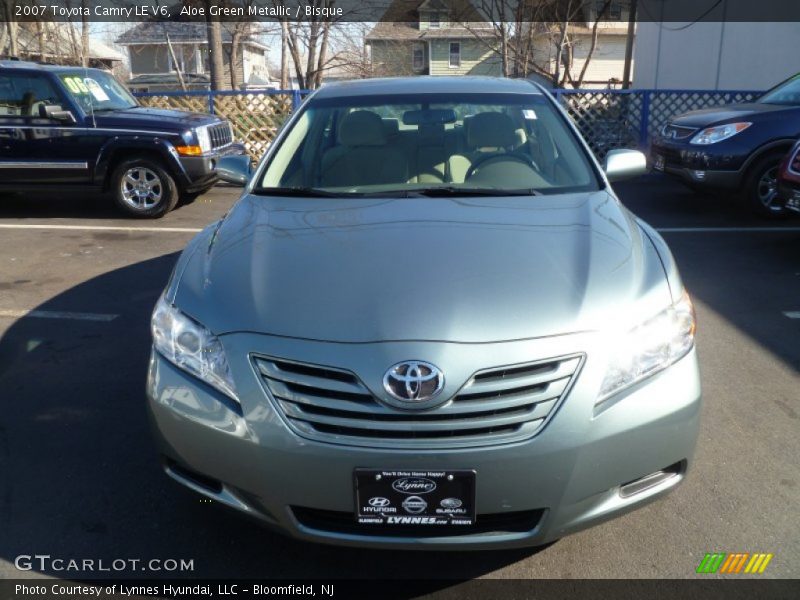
(235, 169)
(624, 164)
(56, 113)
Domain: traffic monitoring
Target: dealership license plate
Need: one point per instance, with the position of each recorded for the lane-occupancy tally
(435, 498)
(658, 162)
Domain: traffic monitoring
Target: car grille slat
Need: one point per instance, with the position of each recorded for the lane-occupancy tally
(504, 379)
(677, 132)
(496, 405)
(219, 134)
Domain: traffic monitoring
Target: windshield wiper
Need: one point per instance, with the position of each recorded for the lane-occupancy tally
(452, 191)
(300, 192)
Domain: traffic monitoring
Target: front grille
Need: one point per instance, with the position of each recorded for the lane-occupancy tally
(496, 405)
(486, 524)
(676, 132)
(220, 134)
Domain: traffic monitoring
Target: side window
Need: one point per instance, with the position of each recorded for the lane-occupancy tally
(23, 95)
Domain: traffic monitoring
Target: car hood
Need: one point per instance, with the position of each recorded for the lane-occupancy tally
(460, 270)
(710, 116)
(156, 119)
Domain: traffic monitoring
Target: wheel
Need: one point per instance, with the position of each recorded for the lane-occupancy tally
(142, 187)
(761, 187)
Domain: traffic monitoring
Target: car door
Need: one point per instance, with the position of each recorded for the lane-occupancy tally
(35, 149)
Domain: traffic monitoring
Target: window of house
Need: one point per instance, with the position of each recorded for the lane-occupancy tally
(455, 55)
(417, 57)
(435, 21)
(612, 13)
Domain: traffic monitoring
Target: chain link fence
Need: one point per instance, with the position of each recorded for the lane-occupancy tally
(608, 119)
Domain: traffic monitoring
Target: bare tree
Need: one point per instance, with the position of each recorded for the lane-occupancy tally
(215, 53)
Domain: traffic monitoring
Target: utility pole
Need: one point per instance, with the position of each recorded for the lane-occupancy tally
(626, 76)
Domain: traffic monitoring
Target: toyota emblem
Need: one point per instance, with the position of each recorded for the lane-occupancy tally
(413, 381)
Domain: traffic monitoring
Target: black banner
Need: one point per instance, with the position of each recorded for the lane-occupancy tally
(460, 11)
(482, 589)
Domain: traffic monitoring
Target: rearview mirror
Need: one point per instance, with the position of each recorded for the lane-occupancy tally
(623, 164)
(56, 113)
(235, 169)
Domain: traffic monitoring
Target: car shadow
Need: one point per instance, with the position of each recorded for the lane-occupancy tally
(80, 478)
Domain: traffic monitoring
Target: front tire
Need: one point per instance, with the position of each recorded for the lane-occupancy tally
(142, 187)
(761, 187)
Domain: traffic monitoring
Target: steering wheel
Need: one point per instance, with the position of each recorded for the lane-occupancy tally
(528, 162)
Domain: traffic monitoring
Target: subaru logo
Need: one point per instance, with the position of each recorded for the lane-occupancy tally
(414, 485)
(413, 381)
(379, 502)
(414, 505)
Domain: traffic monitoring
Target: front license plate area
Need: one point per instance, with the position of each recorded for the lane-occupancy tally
(427, 498)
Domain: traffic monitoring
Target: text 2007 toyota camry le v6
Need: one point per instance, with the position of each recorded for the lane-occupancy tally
(427, 323)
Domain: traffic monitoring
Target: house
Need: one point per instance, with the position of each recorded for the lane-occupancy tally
(606, 66)
(714, 54)
(153, 68)
(433, 37)
(60, 43)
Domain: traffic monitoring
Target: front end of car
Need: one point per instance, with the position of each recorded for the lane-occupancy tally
(529, 440)
(201, 148)
(707, 156)
(789, 180)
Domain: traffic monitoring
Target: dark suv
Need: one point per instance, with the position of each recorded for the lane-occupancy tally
(734, 148)
(75, 128)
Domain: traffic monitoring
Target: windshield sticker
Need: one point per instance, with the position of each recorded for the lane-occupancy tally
(98, 92)
(76, 85)
(529, 114)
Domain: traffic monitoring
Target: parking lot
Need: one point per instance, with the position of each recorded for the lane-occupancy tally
(79, 478)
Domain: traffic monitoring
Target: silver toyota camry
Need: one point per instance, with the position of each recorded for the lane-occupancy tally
(428, 322)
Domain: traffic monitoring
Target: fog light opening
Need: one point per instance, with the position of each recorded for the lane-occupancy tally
(642, 484)
(212, 486)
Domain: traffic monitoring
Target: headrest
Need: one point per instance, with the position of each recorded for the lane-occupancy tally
(391, 127)
(491, 130)
(362, 128)
(431, 134)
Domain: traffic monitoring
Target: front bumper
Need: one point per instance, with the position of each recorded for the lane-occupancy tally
(570, 473)
(201, 170)
(710, 168)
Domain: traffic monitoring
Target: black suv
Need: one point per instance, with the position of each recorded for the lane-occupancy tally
(737, 147)
(75, 128)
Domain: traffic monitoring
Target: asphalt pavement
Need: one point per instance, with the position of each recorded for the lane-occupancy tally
(79, 477)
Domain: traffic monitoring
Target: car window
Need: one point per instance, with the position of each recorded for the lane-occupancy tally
(402, 143)
(23, 95)
(96, 91)
(787, 93)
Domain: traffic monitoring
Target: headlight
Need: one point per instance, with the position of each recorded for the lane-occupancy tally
(203, 139)
(712, 135)
(191, 347)
(651, 347)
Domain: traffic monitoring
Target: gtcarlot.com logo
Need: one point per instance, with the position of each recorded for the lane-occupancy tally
(736, 562)
(45, 562)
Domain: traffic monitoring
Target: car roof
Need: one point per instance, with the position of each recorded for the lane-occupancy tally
(22, 65)
(427, 85)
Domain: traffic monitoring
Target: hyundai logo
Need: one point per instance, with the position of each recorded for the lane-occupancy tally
(413, 381)
(379, 502)
(414, 505)
(414, 485)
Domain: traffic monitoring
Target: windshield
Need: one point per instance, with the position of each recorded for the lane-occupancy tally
(429, 144)
(787, 93)
(96, 91)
